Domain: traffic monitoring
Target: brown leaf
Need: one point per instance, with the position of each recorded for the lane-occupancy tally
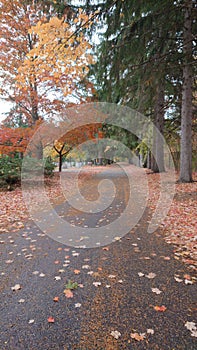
(68, 293)
(137, 336)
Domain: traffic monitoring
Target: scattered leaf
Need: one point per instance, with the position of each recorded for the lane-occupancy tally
(51, 319)
(140, 274)
(57, 278)
(16, 287)
(42, 275)
(96, 284)
(177, 279)
(71, 285)
(160, 308)
(151, 275)
(68, 293)
(188, 282)
(56, 299)
(21, 301)
(31, 321)
(191, 326)
(156, 290)
(137, 336)
(77, 305)
(85, 267)
(115, 334)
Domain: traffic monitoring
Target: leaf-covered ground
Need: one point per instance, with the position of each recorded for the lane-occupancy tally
(179, 227)
(130, 294)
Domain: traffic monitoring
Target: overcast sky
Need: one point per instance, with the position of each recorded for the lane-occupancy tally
(4, 107)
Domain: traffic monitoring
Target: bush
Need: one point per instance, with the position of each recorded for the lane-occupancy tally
(10, 169)
(33, 166)
(49, 166)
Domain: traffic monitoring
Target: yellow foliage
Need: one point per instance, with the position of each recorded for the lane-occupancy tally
(60, 55)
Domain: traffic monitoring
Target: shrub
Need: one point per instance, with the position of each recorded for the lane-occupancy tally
(10, 169)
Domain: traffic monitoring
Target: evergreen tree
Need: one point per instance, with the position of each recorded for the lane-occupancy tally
(140, 60)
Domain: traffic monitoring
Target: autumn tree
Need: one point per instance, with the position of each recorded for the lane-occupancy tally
(44, 57)
(75, 138)
(14, 140)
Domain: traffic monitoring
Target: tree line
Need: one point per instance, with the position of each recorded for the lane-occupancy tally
(145, 59)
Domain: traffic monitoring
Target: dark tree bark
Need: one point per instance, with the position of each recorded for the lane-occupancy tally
(186, 110)
(158, 144)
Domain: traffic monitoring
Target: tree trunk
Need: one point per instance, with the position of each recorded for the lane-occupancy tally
(186, 108)
(39, 149)
(157, 165)
(60, 162)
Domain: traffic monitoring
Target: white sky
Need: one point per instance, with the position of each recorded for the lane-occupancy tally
(4, 107)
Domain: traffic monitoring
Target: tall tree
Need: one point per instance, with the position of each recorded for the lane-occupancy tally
(43, 57)
(186, 110)
(144, 48)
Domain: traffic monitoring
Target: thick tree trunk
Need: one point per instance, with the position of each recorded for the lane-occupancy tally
(157, 164)
(186, 110)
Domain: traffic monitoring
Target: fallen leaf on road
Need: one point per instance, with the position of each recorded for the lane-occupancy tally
(188, 282)
(85, 267)
(42, 275)
(140, 274)
(115, 334)
(16, 287)
(56, 299)
(31, 321)
(57, 278)
(160, 308)
(68, 293)
(137, 336)
(150, 331)
(191, 326)
(51, 319)
(77, 305)
(151, 275)
(177, 279)
(156, 290)
(96, 284)
(77, 272)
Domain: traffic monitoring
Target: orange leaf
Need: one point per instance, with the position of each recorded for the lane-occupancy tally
(77, 272)
(160, 308)
(137, 336)
(56, 299)
(51, 319)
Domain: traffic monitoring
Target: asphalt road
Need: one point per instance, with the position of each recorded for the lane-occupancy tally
(118, 284)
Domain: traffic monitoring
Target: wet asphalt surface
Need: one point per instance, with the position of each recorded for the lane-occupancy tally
(114, 290)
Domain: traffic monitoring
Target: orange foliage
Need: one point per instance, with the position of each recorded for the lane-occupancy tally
(14, 140)
(42, 59)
